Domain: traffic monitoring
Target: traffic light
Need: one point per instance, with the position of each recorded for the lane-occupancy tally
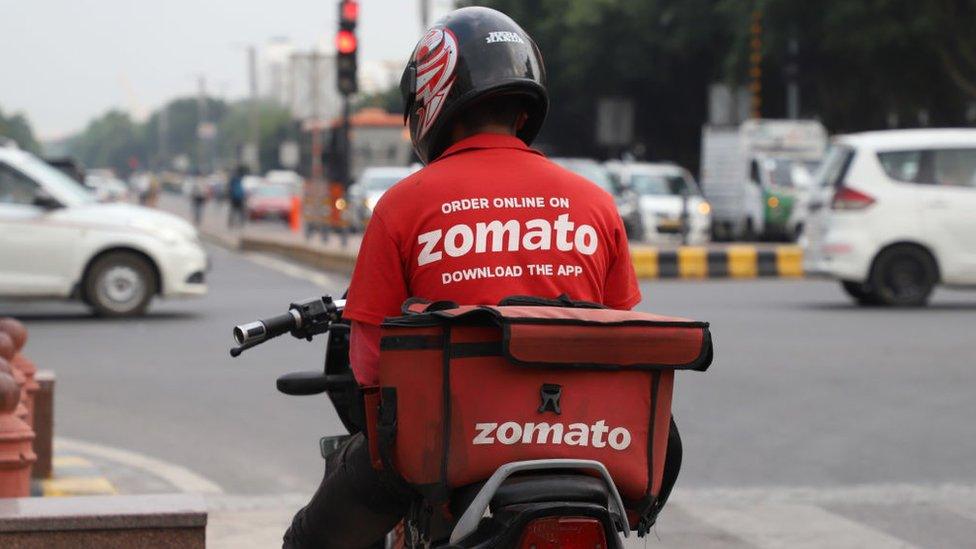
(346, 47)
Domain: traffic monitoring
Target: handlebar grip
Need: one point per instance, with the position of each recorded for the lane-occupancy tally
(281, 324)
(266, 328)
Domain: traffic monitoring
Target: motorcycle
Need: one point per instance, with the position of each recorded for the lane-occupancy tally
(535, 504)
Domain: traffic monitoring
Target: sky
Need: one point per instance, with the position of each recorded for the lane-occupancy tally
(67, 61)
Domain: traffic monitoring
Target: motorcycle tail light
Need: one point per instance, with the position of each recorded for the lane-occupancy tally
(563, 533)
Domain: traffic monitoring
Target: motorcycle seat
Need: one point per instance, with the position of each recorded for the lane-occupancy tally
(549, 488)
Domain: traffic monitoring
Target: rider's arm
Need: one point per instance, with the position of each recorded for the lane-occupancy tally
(378, 286)
(364, 352)
(621, 290)
(377, 290)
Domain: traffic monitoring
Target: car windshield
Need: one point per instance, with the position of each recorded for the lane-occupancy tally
(590, 170)
(380, 182)
(61, 187)
(661, 185)
(831, 171)
(789, 172)
(271, 191)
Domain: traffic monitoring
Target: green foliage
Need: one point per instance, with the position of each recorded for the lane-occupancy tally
(18, 128)
(109, 141)
(657, 53)
(861, 64)
(389, 100)
(274, 124)
(112, 139)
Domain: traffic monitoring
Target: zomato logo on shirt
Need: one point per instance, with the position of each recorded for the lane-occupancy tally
(555, 231)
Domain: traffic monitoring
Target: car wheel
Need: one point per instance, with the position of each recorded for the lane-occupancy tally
(861, 293)
(904, 276)
(120, 284)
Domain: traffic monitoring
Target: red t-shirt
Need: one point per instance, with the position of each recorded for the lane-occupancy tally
(491, 218)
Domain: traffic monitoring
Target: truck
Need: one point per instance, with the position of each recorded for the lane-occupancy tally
(754, 174)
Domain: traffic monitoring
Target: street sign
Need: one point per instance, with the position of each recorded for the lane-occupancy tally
(614, 121)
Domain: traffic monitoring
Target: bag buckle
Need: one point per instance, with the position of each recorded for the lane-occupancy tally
(550, 394)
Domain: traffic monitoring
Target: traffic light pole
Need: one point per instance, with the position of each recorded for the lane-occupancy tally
(346, 143)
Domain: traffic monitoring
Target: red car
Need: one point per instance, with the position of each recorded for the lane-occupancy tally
(269, 202)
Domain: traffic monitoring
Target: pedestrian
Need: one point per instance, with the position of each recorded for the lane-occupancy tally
(198, 194)
(238, 197)
(141, 183)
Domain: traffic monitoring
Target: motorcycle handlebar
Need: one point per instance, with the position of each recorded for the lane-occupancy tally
(267, 328)
(304, 319)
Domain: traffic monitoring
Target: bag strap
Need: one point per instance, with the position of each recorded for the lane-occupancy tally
(419, 306)
(562, 300)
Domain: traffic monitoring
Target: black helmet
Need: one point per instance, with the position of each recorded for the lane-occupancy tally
(469, 55)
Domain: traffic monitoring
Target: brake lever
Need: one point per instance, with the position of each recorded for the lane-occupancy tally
(236, 351)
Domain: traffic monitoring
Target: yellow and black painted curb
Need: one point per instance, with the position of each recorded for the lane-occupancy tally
(736, 261)
(689, 262)
(73, 476)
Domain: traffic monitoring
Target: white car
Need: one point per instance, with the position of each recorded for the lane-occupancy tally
(367, 190)
(57, 241)
(893, 214)
(662, 188)
(107, 188)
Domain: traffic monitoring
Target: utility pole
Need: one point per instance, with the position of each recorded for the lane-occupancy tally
(163, 128)
(316, 166)
(424, 15)
(202, 128)
(255, 122)
(792, 74)
(755, 63)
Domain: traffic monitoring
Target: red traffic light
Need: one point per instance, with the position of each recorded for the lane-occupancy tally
(346, 42)
(349, 11)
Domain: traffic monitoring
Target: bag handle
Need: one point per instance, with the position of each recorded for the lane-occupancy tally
(562, 300)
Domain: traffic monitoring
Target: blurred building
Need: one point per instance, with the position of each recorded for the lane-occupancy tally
(278, 76)
(379, 76)
(378, 138)
(312, 89)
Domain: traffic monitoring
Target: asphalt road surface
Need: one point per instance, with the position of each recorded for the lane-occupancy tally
(810, 399)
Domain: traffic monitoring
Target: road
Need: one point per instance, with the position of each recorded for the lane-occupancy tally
(809, 399)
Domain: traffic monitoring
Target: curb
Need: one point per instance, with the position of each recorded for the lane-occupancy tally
(73, 476)
(312, 256)
(699, 262)
(687, 262)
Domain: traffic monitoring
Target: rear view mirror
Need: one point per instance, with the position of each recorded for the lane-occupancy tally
(43, 199)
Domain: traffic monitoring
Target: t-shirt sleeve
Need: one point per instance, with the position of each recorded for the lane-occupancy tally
(621, 290)
(378, 285)
(364, 352)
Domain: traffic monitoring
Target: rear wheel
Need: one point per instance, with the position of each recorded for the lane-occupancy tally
(861, 293)
(904, 276)
(120, 284)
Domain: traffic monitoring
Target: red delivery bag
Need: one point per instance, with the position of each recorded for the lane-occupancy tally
(467, 389)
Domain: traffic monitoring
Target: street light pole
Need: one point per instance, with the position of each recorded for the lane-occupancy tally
(255, 121)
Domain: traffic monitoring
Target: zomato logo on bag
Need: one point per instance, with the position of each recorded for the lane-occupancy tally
(597, 435)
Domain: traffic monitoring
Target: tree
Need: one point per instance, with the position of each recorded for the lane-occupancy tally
(862, 64)
(18, 128)
(275, 127)
(661, 54)
(390, 100)
(110, 141)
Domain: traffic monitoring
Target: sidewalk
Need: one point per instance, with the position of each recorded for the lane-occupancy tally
(716, 260)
